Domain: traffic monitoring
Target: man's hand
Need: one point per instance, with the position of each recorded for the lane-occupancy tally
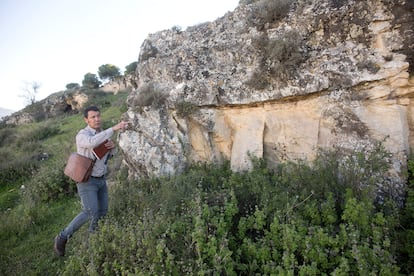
(110, 145)
(120, 126)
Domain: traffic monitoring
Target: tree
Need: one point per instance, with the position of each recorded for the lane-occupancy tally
(72, 85)
(108, 72)
(30, 90)
(130, 68)
(90, 81)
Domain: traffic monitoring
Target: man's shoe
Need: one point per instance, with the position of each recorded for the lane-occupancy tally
(60, 245)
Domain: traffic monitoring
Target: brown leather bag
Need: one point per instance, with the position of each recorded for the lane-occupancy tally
(79, 167)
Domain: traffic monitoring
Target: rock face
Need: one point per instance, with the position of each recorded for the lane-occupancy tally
(278, 80)
(54, 105)
(64, 102)
(123, 83)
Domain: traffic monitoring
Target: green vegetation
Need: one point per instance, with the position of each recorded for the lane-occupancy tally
(149, 94)
(108, 72)
(281, 55)
(185, 109)
(405, 239)
(281, 58)
(294, 219)
(270, 11)
(91, 81)
(36, 199)
(72, 85)
(130, 68)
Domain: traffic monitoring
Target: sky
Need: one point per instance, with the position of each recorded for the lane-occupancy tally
(56, 42)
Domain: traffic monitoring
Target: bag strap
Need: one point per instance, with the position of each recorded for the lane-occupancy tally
(107, 158)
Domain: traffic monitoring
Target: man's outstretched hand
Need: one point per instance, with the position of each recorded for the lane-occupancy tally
(120, 126)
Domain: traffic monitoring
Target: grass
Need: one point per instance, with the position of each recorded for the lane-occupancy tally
(29, 223)
(9, 194)
(30, 252)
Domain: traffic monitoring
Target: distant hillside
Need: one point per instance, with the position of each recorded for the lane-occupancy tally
(4, 112)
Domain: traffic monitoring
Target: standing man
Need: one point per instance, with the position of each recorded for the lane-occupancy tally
(94, 192)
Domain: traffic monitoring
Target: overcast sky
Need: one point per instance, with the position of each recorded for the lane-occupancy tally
(56, 42)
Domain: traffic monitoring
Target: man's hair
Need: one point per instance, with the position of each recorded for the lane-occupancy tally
(90, 108)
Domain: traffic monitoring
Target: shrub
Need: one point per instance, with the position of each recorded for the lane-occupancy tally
(50, 183)
(284, 54)
(406, 230)
(149, 94)
(281, 59)
(270, 11)
(108, 72)
(7, 136)
(296, 219)
(259, 80)
(43, 132)
(15, 169)
(90, 81)
(185, 109)
(98, 98)
(72, 85)
(131, 68)
(369, 65)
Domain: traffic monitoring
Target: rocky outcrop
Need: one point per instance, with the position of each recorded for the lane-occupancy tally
(123, 83)
(278, 80)
(67, 101)
(56, 104)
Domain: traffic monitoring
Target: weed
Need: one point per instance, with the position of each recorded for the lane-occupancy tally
(284, 54)
(371, 66)
(148, 94)
(295, 219)
(7, 135)
(405, 236)
(185, 109)
(269, 12)
(281, 58)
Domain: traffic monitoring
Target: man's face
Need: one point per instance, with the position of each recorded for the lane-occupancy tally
(94, 120)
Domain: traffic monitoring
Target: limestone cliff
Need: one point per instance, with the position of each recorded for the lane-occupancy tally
(278, 80)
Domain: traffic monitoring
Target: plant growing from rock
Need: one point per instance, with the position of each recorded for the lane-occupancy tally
(148, 94)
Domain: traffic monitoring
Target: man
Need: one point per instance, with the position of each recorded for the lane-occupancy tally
(94, 192)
